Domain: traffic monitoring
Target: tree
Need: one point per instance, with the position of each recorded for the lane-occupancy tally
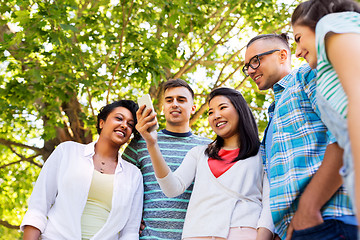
(62, 60)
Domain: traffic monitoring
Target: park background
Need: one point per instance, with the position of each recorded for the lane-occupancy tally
(60, 61)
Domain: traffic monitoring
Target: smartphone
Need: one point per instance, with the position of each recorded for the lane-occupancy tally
(146, 100)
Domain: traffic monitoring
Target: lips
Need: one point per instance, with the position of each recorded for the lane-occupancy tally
(256, 78)
(305, 55)
(121, 133)
(175, 112)
(219, 124)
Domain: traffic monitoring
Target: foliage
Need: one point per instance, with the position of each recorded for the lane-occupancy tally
(62, 60)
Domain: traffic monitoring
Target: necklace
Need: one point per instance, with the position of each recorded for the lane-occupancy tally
(101, 167)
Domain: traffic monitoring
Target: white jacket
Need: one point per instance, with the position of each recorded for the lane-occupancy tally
(61, 191)
(213, 210)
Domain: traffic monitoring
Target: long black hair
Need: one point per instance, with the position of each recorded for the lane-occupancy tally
(247, 128)
(107, 109)
(309, 13)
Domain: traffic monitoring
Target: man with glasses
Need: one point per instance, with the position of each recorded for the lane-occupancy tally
(300, 156)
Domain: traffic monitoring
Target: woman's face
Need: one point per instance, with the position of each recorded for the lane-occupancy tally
(223, 117)
(305, 40)
(118, 126)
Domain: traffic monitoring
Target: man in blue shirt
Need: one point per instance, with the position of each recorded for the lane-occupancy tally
(301, 157)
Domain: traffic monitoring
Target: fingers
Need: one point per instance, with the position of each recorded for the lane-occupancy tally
(289, 232)
(277, 237)
(142, 226)
(146, 118)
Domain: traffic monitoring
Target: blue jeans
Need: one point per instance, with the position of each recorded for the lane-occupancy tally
(329, 230)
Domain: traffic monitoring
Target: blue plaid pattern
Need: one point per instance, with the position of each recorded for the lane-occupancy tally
(298, 146)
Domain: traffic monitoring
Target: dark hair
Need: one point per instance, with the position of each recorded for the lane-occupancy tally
(310, 12)
(173, 83)
(106, 110)
(282, 38)
(247, 128)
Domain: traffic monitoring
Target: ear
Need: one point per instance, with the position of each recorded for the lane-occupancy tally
(284, 55)
(193, 108)
(101, 123)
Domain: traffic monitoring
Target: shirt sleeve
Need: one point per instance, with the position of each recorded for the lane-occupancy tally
(132, 227)
(308, 77)
(175, 183)
(44, 192)
(265, 219)
(130, 154)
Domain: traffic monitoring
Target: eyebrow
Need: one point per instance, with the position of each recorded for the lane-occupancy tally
(223, 104)
(124, 116)
(180, 97)
(219, 105)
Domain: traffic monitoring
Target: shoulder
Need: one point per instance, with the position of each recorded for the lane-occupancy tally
(342, 22)
(338, 21)
(200, 149)
(136, 142)
(200, 139)
(304, 74)
(71, 145)
(134, 170)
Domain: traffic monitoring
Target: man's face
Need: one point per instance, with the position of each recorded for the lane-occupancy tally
(178, 106)
(268, 73)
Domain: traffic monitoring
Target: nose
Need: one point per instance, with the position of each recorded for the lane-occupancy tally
(297, 51)
(216, 115)
(251, 71)
(123, 125)
(174, 103)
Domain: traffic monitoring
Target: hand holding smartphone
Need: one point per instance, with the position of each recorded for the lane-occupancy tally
(146, 100)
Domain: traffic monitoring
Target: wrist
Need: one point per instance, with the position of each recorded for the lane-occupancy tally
(309, 205)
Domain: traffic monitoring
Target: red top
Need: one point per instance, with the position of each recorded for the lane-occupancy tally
(218, 167)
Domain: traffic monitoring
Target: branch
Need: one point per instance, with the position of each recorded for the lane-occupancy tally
(227, 63)
(8, 225)
(90, 104)
(10, 143)
(228, 77)
(22, 159)
(125, 23)
(188, 69)
(211, 33)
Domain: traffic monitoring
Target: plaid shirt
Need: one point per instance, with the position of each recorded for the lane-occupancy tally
(298, 146)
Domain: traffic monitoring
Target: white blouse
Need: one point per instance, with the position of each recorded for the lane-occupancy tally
(61, 191)
(239, 197)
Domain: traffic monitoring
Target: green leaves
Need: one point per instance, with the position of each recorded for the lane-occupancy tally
(66, 59)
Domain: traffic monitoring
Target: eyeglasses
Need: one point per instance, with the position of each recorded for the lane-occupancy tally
(254, 62)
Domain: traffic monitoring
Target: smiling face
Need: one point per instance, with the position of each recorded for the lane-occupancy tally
(178, 107)
(305, 39)
(223, 118)
(269, 72)
(118, 126)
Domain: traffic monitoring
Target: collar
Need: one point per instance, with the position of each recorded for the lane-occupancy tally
(280, 85)
(278, 89)
(175, 134)
(89, 152)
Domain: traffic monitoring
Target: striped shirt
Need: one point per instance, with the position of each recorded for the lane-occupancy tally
(328, 84)
(299, 140)
(163, 216)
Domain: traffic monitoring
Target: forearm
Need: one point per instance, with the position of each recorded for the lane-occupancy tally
(326, 180)
(264, 234)
(31, 233)
(161, 168)
(354, 134)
